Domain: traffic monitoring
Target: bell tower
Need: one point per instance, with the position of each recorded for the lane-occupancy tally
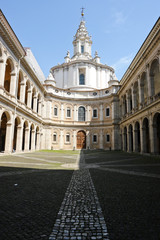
(82, 41)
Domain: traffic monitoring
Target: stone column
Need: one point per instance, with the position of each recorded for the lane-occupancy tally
(62, 112)
(27, 135)
(88, 140)
(142, 137)
(151, 135)
(38, 141)
(133, 101)
(88, 116)
(140, 93)
(40, 107)
(13, 84)
(35, 102)
(124, 141)
(101, 112)
(29, 97)
(101, 139)
(2, 72)
(75, 113)
(149, 82)
(135, 145)
(61, 139)
(33, 140)
(128, 139)
(22, 90)
(19, 139)
(128, 102)
(74, 139)
(8, 139)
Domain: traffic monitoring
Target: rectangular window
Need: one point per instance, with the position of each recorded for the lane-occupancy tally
(107, 138)
(55, 111)
(67, 138)
(107, 112)
(95, 113)
(94, 138)
(68, 113)
(82, 49)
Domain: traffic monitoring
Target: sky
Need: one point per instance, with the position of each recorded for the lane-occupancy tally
(118, 28)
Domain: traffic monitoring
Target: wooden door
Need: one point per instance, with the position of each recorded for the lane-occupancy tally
(81, 140)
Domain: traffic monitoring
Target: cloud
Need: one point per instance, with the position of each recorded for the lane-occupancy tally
(119, 18)
(123, 62)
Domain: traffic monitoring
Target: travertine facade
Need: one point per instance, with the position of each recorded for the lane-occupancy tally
(81, 105)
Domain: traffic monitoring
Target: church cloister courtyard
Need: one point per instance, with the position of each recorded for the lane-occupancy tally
(80, 195)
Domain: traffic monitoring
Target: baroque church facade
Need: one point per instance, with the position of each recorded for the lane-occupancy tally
(81, 105)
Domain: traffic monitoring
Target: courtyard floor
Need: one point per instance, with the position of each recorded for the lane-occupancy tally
(79, 195)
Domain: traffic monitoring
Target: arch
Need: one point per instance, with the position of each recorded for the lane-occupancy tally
(125, 139)
(24, 138)
(37, 138)
(15, 135)
(33, 96)
(8, 71)
(20, 79)
(146, 136)
(81, 79)
(155, 77)
(156, 133)
(81, 139)
(30, 136)
(4, 120)
(81, 114)
(137, 137)
(38, 102)
(26, 91)
(130, 138)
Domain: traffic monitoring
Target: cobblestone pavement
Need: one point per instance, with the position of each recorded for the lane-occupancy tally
(80, 215)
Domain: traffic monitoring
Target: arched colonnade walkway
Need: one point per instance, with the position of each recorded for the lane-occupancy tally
(142, 136)
(17, 134)
(17, 84)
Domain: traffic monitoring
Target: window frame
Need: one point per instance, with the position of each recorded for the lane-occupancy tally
(95, 135)
(69, 140)
(95, 109)
(81, 74)
(68, 108)
(55, 108)
(107, 108)
(107, 135)
(55, 135)
(84, 117)
(82, 49)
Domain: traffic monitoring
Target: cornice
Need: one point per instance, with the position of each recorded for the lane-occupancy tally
(65, 65)
(10, 37)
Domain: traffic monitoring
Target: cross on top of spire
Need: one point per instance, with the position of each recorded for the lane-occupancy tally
(82, 12)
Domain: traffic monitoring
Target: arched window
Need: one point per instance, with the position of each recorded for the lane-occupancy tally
(81, 114)
(55, 137)
(81, 79)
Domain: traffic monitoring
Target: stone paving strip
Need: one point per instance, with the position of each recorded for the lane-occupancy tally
(80, 215)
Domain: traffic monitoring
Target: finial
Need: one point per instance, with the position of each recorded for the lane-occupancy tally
(82, 12)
